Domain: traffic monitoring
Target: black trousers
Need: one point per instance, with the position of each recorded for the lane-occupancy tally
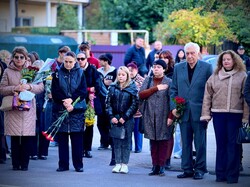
(76, 146)
(20, 151)
(226, 127)
(2, 148)
(33, 145)
(88, 138)
(43, 146)
(103, 125)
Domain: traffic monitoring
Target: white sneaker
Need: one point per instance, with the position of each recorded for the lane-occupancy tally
(124, 169)
(117, 168)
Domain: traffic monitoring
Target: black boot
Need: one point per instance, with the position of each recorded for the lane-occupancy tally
(167, 165)
(112, 162)
(87, 154)
(155, 171)
(161, 171)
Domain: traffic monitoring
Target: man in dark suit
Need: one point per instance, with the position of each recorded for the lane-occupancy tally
(189, 81)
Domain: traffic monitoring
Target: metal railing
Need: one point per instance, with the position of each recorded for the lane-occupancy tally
(85, 32)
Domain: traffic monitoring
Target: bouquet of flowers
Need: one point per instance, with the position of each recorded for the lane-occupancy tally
(54, 128)
(46, 70)
(47, 88)
(29, 73)
(90, 114)
(22, 100)
(180, 106)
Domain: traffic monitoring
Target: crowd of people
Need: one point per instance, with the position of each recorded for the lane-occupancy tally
(139, 96)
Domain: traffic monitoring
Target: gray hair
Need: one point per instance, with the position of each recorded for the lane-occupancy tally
(195, 45)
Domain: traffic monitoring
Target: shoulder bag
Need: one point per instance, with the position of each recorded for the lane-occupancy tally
(7, 103)
(244, 134)
(117, 132)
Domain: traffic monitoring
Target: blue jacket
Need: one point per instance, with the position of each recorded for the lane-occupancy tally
(137, 55)
(151, 58)
(192, 92)
(69, 84)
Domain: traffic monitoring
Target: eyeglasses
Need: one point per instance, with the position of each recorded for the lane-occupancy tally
(82, 59)
(19, 57)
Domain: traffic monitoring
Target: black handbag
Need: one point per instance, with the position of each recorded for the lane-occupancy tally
(244, 134)
(117, 132)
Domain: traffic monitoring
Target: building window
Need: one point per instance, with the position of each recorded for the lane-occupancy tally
(25, 21)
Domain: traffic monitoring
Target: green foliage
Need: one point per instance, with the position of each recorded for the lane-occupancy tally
(67, 17)
(145, 14)
(192, 25)
(130, 14)
(175, 5)
(237, 14)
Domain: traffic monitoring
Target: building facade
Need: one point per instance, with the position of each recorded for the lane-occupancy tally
(34, 13)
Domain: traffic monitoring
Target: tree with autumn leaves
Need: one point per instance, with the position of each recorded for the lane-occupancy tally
(204, 28)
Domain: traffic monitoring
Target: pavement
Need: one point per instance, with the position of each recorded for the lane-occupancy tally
(97, 172)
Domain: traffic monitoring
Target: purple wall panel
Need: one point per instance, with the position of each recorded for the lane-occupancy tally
(118, 52)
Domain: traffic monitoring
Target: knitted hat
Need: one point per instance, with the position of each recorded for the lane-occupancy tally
(161, 63)
(133, 65)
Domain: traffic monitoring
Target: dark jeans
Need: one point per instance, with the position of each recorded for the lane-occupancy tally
(76, 146)
(226, 127)
(20, 150)
(122, 147)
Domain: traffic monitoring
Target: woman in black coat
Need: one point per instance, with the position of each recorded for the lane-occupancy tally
(68, 84)
(121, 104)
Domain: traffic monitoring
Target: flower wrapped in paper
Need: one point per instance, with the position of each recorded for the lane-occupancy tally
(54, 128)
(22, 100)
(47, 88)
(45, 71)
(44, 75)
(90, 114)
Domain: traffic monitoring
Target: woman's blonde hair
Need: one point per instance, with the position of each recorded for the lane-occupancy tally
(4, 54)
(238, 62)
(126, 70)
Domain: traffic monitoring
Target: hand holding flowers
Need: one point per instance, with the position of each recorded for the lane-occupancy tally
(179, 109)
(54, 128)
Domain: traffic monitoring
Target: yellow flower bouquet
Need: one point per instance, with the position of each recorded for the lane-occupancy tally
(90, 114)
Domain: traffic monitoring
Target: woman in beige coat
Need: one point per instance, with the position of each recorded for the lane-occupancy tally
(224, 101)
(20, 125)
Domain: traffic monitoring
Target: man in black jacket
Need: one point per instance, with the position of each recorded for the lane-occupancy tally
(136, 53)
(245, 58)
